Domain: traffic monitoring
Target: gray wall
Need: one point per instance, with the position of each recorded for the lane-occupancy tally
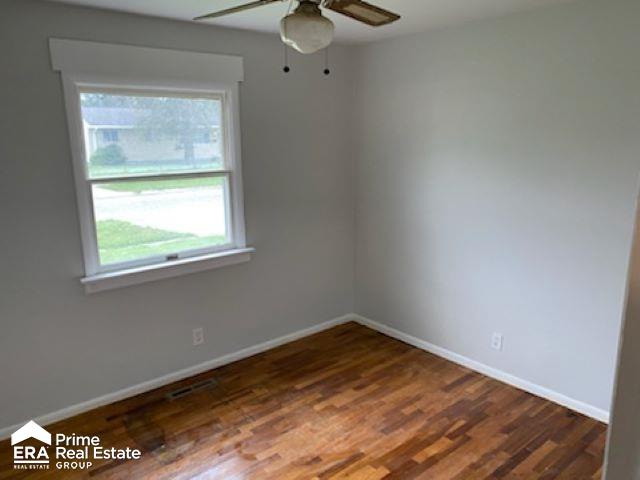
(623, 458)
(58, 346)
(495, 180)
(496, 177)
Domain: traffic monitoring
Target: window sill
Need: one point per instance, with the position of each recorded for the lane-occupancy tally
(150, 273)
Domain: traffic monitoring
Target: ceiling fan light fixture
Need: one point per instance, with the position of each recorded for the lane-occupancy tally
(306, 30)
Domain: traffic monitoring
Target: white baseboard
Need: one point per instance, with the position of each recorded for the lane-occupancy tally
(517, 382)
(540, 391)
(82, 407)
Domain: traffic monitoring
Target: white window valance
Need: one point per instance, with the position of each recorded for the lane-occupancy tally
(81, 57)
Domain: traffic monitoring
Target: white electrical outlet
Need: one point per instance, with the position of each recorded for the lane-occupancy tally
(496, 341)
(198, 336)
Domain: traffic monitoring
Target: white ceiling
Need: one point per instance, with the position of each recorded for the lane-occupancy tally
(417, 15)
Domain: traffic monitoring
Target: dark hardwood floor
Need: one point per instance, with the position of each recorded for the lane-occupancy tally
(345, 403)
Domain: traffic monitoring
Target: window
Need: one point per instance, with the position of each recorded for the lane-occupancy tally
(110, 136)
(160, 199)
(158, 175)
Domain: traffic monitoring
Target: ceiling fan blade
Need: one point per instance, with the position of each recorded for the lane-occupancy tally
(239, 8)
(363, 12)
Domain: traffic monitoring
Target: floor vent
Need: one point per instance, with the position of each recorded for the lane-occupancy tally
(193, 388)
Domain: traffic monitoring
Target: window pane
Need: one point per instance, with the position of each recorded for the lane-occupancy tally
(138, 219)
(127, 134)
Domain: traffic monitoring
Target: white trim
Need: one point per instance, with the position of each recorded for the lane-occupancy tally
(527, 386)
(160, 176)
(122, 68)
(160, 271)
(233, 144)
(83, 407)
(83, 189)
(105, 58)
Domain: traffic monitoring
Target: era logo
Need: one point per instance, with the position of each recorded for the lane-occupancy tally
(24, 455)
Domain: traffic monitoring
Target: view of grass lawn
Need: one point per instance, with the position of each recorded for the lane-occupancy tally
(120, 241)
(145, 185)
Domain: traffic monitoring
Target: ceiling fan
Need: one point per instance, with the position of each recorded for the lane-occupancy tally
(306, 29)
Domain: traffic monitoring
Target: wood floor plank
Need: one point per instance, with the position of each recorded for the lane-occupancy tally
(347, 403)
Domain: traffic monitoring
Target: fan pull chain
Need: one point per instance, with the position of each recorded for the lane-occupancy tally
(286, 68)
(326, 61)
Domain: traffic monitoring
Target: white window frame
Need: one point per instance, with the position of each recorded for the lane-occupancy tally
(88, 67)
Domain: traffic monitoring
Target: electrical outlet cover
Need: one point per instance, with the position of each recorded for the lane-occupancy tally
(198, 336)
(496, 341)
